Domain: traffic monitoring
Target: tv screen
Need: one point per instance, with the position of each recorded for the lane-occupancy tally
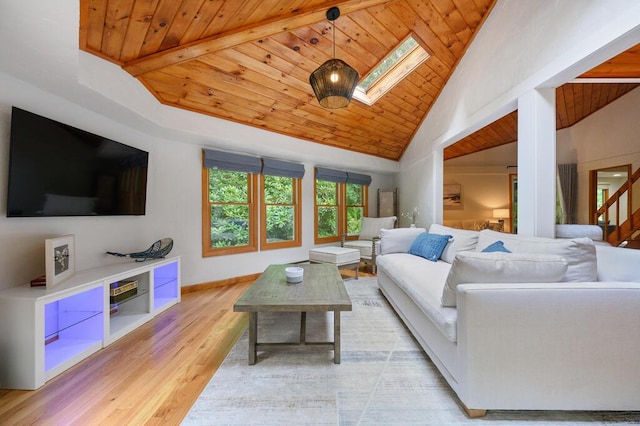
(58, 170)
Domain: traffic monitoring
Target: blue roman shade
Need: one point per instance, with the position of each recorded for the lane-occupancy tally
(282, 168)
(230, 161)
(358, 179)
(331, 175)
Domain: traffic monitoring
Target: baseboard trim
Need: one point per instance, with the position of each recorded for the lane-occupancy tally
(215, 284)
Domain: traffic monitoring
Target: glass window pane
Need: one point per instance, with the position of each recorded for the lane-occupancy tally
(278, 190)
(229, 225)
(393, 58)
(327, 222)
(280, 223)
(228, 187)
(326, 193)
(354, 194)
(354, 216)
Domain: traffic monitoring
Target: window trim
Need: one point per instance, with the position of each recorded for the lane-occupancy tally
(207, 250)
(297, 205)
(341, 199)
(404, 66)
(316, 238)
(365, 207)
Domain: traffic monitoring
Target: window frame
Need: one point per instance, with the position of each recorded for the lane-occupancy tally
(365, 207)
(396, 73)
(341, 199)
(297, 227)
(252, 202)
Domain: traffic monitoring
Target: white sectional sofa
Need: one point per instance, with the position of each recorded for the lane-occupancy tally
(559, 332)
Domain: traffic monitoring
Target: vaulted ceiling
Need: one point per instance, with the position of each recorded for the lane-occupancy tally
(249, 61)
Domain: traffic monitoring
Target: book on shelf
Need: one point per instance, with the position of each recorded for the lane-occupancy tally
(40, 281)
(123, 296)
(122, 286)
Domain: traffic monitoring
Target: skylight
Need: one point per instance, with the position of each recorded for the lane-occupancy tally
(390, 71)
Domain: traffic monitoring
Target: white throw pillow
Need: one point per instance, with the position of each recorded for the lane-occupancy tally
(499, 267)
(370, 226)
(398, 240)
(463, 240)
(579, 253)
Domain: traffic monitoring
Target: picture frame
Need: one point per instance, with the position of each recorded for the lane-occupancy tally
(452, 196)
(60, 259)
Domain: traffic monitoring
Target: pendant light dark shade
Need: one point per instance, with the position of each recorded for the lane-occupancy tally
(334, 81)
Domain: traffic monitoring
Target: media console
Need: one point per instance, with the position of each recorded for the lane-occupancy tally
(45, 332)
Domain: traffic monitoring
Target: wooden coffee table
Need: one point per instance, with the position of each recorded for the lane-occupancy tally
(321, 290)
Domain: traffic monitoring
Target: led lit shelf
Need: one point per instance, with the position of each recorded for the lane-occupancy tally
(165, 286)
(43, 332)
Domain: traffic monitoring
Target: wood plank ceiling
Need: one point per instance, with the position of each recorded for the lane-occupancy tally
(574, 101)
(249, 61)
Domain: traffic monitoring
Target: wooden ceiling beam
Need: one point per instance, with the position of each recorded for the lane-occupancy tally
(244, 34)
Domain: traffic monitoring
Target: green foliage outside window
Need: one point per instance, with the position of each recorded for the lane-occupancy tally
(388, 62)
(354, 208)
(279, 198)
(327, 201)
(327, 222)
(229, 193)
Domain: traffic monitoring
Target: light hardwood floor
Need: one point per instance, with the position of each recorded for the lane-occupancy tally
(151, 376)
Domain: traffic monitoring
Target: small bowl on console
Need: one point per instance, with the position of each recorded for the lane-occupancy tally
(294, 274)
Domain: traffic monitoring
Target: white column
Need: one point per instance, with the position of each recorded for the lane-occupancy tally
(438, 181)
(537, 163)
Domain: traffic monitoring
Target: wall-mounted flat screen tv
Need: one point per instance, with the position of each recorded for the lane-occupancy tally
(59, 170)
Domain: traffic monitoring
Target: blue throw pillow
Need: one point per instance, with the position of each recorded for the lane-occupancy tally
(429, 246)
(497, 246)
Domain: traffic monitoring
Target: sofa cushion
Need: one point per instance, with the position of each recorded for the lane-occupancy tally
(575, 231)
(580, 253)
(398, 240)
(422, 281)
(498, 267)
(364, 246)
(462, 240)
(429, 246)
(370, 226)
(497, 246)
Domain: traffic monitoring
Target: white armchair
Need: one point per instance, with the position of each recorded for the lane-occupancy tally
(368, 241)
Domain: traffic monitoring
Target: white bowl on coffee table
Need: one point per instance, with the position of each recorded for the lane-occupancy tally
(294, 274)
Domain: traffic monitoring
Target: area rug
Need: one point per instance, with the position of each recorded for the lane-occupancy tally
(384, 378)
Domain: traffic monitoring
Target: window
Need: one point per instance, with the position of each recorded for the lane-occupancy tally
(355, 196)
(230, 214)
(280, 218)
(340, 202)
(327, 211)
(390, 71)
(230, 203)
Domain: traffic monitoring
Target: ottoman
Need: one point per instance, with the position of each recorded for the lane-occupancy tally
(342, 257)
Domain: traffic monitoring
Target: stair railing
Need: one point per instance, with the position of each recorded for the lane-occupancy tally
(614, 200)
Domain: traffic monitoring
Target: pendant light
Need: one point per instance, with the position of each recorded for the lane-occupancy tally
(334, 81)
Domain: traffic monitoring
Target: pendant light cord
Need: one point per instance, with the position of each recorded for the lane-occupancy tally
(334, 38)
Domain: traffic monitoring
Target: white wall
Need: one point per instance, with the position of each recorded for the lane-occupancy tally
(523, 45)
(43, 71)
(483, 189)
(173, 199)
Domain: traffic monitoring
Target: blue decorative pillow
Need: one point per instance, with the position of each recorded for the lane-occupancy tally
(429, 246)
(497, 246)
